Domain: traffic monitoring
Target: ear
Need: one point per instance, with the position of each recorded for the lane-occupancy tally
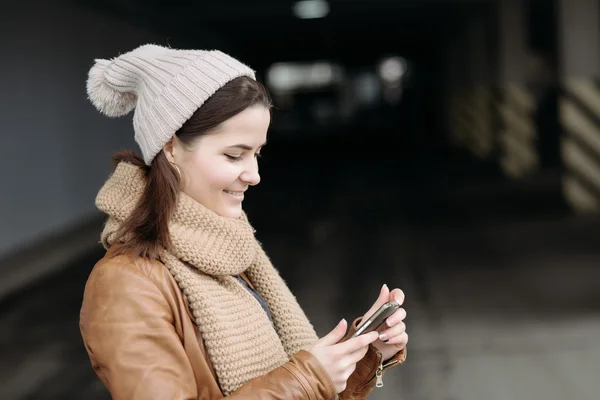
(170, 149)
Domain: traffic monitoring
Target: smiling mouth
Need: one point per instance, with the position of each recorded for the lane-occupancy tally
(235, 194)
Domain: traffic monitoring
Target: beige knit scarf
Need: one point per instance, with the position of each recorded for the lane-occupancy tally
(207, 251)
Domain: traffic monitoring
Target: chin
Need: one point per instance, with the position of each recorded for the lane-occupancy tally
(231, 212)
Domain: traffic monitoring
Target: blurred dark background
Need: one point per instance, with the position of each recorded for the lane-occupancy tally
(447, 147)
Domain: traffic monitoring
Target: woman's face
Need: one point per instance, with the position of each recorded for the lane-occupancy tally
(221, 165)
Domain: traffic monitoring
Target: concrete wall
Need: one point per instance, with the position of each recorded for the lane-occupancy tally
(56, 147)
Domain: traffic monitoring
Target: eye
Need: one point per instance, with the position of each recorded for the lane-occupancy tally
(233, 158)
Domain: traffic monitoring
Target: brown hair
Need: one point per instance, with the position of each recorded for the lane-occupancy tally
(145, 232)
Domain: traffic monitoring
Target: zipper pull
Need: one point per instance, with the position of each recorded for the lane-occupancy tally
(379, 377)
(379, 373)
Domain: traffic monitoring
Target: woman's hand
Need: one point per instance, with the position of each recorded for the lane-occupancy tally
(392, 334)
(339, 359)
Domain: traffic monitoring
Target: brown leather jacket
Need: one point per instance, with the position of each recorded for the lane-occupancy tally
(143, 344)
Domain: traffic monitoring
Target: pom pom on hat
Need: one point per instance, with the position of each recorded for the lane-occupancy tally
(104, 96)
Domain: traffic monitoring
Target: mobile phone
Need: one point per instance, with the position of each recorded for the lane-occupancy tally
(377, 319)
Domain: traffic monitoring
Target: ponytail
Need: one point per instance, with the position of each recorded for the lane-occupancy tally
(146, 231)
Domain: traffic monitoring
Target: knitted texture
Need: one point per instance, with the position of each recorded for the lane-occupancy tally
(207, 251)
(165, 87)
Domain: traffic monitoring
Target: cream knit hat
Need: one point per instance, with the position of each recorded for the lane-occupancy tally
(165, 86)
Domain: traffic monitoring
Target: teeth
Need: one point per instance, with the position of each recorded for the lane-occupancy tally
(239, 194)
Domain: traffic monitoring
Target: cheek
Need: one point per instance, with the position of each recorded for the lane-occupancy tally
(214, 175)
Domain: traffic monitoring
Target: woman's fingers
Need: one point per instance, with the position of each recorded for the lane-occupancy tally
(384, 296)
(395, 318)
(389, 334)
(354, 344)
(397, 295)
(400, 341)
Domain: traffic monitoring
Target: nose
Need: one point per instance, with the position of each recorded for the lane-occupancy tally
(250, 174)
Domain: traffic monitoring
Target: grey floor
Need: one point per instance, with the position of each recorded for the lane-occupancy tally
(522, 326)
(500, 305)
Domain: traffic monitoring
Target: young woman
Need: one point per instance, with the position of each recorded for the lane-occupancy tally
(185, 304)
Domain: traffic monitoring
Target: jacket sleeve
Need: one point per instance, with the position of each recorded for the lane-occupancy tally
(362, 382)
(127, 328)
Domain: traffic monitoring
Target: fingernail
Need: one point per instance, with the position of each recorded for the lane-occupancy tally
(383, 337)
(386, 286)
(385, 341)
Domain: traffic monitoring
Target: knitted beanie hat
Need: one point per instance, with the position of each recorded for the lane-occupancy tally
(165, 87)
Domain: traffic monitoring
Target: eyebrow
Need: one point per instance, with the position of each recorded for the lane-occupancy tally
(245, 146)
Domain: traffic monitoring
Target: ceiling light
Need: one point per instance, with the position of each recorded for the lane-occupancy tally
(311, 9)
(392, 69)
